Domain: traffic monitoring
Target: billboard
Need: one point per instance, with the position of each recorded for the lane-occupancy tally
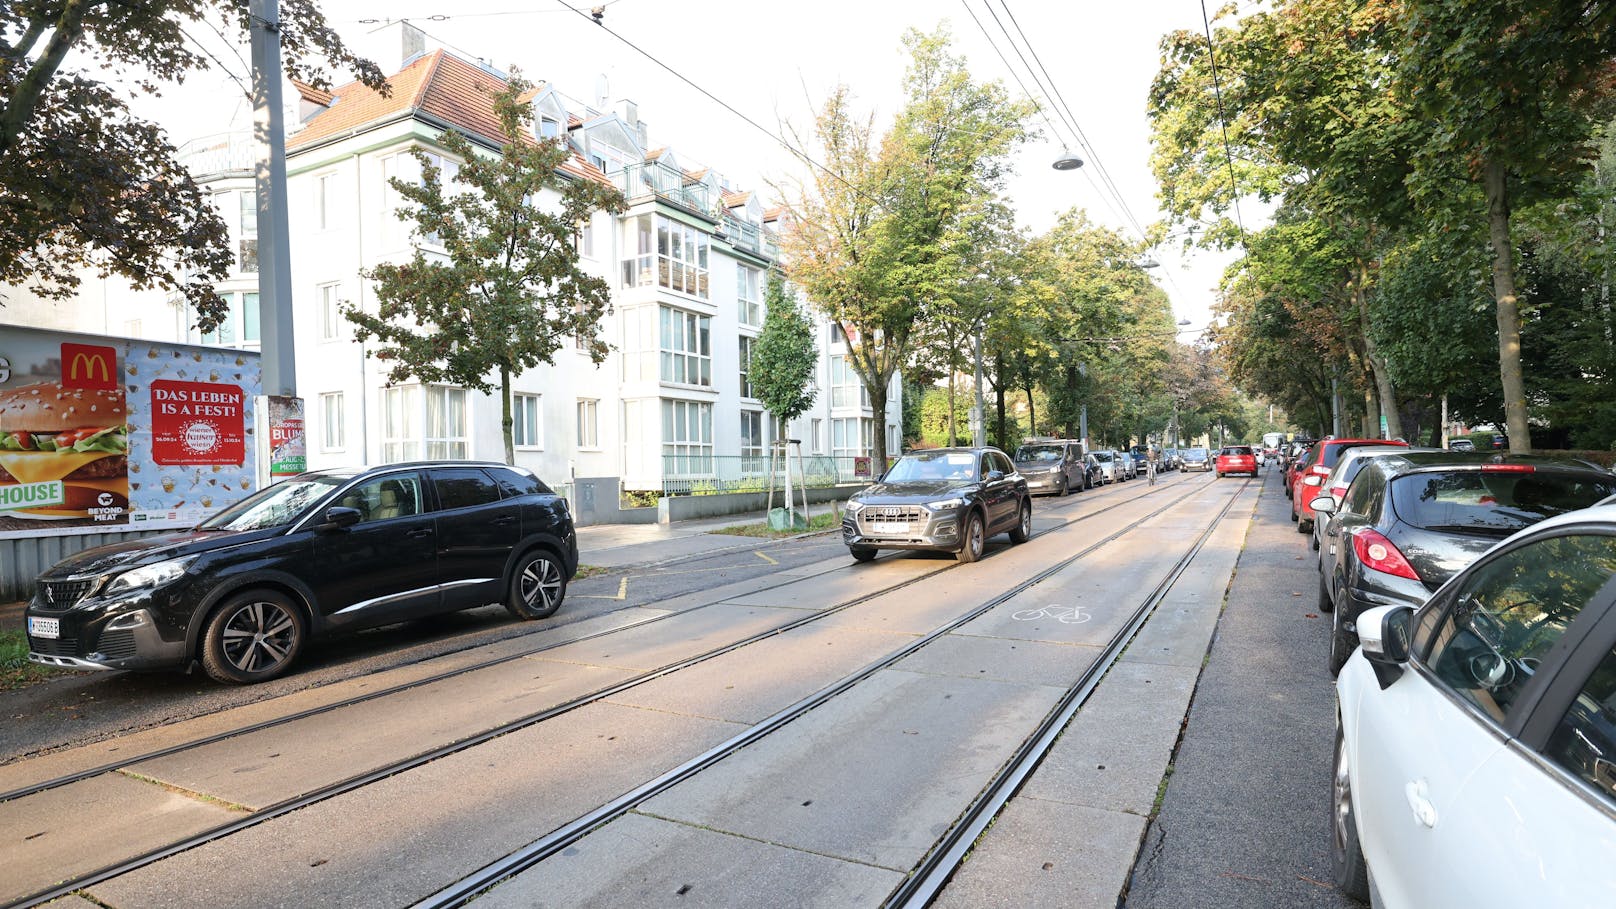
(100, 433)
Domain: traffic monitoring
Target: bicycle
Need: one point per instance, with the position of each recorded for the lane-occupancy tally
(1150, 472)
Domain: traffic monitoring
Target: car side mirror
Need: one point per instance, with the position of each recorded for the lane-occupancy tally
(1384, 633)
(1323, 504)
(995, 476)
(340, 518)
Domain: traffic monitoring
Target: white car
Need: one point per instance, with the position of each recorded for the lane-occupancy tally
(1476, 737)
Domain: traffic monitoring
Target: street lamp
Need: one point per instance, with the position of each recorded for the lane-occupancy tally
(1067, 161)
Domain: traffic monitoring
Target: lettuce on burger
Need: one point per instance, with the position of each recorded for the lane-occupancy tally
(79, 436)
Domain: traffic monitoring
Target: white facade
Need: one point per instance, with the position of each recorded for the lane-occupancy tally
(686, 262)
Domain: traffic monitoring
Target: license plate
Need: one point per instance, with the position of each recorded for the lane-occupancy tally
(44, 628)
(889, 528)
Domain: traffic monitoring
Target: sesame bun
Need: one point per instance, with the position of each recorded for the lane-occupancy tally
(50, 407)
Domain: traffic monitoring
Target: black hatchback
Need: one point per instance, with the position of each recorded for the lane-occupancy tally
(245, 590)
(1411, 520)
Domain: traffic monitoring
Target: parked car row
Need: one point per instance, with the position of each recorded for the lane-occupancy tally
(1473, 605)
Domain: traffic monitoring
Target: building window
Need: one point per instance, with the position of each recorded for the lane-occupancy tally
(430, 424)
(588, 423)
(325, 188)
(583, 240)
(687, 438)
(687, 347)
(550, 128)
(852, 437)
(752, 441)
(392, 228)
(846, 388)
(247, 254)
(240, 325)
(525, 425)
(748, 298)
(747, 344)
(816, 436)
(335, 437)
(667, 254)
(331, 328)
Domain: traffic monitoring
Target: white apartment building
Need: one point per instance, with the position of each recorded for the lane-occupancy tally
(669, 407)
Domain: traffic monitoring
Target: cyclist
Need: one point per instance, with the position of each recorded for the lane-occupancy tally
(1150, 471)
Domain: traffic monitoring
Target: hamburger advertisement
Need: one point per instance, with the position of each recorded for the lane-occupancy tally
(107, 434)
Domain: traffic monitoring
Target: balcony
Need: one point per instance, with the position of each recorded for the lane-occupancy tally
(224, 153)
(637, 181)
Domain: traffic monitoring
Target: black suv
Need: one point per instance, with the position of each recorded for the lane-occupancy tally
(949, 499)
(243, 591)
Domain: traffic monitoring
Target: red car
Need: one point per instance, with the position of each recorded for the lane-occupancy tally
(1310, 476)
(1236, 459)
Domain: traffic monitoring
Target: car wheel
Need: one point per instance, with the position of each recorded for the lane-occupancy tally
(862, 553)
(975, 537)
(1342, 643)
(1346, 855)
(252, 637)
(1304, 525)
(1022, 532)
(537, 586)
(1325, 603)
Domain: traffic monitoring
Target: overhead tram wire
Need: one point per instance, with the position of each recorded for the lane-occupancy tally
(1223, 124)
(798, 153)
(1039, 105)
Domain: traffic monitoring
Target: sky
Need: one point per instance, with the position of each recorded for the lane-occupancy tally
(776, 62)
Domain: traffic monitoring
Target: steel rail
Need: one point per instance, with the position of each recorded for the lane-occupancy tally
(286, 806)
(467, 888)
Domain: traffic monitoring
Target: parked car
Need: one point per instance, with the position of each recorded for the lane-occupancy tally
(1409, 521)
(1172, 459)
(1236, 459)
(1055, 467)
(1341, 476)
(1475, 753)
(1197, 459)
(948, 499)
(1127, 466)
(1294, 462)
(244, 591)
(1105, 461)
(1309, 477)
(1462, 445)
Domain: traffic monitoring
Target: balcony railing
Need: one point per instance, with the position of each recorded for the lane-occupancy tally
(219, 154)
(636, 181)
(698, 474)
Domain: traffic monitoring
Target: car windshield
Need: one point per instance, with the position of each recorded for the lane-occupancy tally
(1104, 457)
(1195, 453)
(280, 504)
(933, 465)
(1046, 453)
(1493, 503)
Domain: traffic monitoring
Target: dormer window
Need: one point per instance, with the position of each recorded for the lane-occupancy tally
(549, 128)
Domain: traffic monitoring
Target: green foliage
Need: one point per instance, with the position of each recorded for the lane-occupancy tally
(88, 185)
(507, 291)
(784, 357)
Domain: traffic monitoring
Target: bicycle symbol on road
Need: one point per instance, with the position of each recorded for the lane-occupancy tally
(1066, 615)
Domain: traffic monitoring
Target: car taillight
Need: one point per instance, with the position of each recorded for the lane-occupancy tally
(1312, 481)
(1508, 468)
(1379, 553)
(1319, 469)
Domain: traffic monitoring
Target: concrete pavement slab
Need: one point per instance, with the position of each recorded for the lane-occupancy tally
(753, 683)
(672, 639)
(1047, 855)
(839, 587)
(643, 861)
(394, 842)
(1002, 660)
(91, 824)
(270, 766)
(874, 776)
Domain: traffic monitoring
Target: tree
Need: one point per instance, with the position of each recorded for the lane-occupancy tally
(507, 292)
(881, 231)
(85, 184)
(1506, 88)
(784, 357)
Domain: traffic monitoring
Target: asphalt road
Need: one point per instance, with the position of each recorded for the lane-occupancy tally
(1246, 817)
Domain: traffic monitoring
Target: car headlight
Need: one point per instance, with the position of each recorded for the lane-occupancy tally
(854, 506)
(154, 575)
(941, 504)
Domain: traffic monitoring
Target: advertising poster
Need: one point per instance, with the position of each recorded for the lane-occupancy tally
(101, 434)
(288, 454)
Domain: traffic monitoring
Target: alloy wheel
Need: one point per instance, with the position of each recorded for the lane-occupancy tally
(1342, 788)
(259, 636)
(540, 581)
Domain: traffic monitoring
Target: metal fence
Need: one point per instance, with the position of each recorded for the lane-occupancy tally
(696, 474)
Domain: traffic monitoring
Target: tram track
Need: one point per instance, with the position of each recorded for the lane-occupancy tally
(357, 781)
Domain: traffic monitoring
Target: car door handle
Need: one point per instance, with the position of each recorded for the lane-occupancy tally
(1424, 811)
(419, 532)
(503, 521)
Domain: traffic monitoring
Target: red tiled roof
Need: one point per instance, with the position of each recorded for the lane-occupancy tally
(732, 198)
(438, 84)
(309, 93)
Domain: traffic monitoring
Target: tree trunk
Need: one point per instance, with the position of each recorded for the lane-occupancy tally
(878, 405)
(1509, 315)
(1032, 414)
(69, 28)
(998, 400)
(1371, 420)
(1377, 364)
(505, 421)
(952, 434)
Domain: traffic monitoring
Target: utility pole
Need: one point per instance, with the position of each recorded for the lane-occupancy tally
(979, 433)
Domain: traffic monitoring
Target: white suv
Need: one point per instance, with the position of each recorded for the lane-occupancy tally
(1476, 740)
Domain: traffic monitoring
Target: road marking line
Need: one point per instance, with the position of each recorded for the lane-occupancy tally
(765, 558)
(622, 593)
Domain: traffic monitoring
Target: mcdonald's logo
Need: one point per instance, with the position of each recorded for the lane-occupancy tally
(89, 366)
